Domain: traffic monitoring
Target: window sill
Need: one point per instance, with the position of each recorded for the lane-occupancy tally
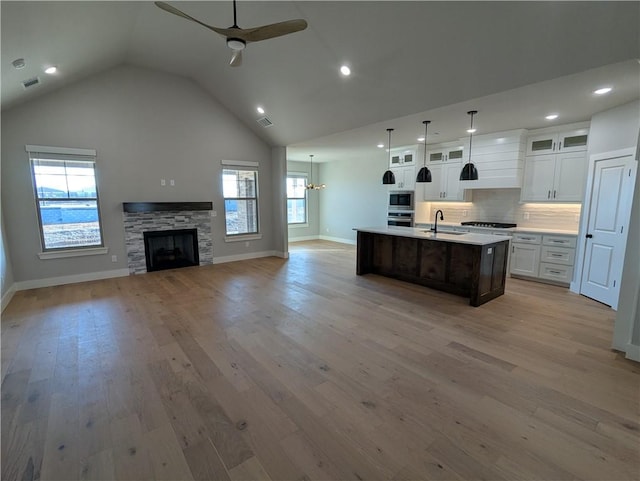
(298, 226)
(240, 238)
(93, 251)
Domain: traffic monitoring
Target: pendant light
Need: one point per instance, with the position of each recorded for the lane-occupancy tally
(311, 185)
(469, 171)
(389, 177)
(424, 174)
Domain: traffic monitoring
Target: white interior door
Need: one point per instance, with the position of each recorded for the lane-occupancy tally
(611, 197)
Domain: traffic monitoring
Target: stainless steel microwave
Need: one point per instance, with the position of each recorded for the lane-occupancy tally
(401, 200)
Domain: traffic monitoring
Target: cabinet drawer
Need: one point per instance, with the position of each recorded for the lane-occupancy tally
(557, 255)
(527, 238)
(559, 241)
(555, 272)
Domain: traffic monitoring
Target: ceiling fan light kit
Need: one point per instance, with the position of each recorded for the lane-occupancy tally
(237, 38)
(424, 174)
(389, 177)
(469, 171)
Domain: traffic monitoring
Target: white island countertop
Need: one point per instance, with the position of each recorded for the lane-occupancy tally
(420, 233)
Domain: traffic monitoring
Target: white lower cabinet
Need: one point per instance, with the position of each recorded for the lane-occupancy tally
(543, 256)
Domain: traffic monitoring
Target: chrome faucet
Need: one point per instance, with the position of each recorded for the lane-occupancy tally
(435, 227)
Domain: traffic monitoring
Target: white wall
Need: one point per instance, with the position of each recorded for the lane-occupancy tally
(6, 272)
(611, 130)
(145, 126)
(355, 198)
(311, 229)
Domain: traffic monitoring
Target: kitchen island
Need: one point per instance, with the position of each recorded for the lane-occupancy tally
(469, 265)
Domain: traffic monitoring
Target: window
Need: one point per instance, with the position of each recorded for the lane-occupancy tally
(66, 195)
(240, 192)
(296, 199)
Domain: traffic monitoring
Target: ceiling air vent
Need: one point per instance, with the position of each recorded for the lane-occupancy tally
(265, 122)
(30, 82)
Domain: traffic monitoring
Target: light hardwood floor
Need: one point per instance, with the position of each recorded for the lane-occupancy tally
(299, 369)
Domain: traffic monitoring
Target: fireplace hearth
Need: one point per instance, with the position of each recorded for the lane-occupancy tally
(171, 249)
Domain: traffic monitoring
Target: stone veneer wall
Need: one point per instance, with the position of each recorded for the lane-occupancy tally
(135, 223)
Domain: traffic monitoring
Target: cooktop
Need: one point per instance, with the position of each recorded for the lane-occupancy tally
(494, 225)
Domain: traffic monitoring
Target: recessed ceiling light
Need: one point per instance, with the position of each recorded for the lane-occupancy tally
(471, 131)
(260, 110)
(380, 146)
(18, 63)
(344, 70)
(51, 70)
(551, 116)
(420, 139)
(602, 91)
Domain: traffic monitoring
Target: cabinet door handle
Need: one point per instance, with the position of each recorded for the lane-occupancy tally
(555, 272)
(549, 195)
(589, 236)
(556, 255)
(560, 146)
(554, 147)
(554, 194)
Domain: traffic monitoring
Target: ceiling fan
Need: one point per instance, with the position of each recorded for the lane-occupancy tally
(238, 38)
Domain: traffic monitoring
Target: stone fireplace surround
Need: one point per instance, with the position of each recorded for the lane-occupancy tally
(153, 216)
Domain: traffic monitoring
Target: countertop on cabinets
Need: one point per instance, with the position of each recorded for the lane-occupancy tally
(533, 230)
(418, 233)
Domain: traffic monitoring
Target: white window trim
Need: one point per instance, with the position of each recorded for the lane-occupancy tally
(88, 251)
(90, 154)
(306, 202)
(240, 163)
(60, 150)
(242, 237)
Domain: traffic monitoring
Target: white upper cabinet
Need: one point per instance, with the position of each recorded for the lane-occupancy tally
(555, 178)
(445, 152)
(556, 167)
(445, 183)
(405, 156)
(558, 142)
(405, 178)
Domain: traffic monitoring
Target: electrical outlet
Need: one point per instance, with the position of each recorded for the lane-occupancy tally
(163, 182)
(464, 213)
(525, 216)
(214, 213)
(114, 258)
(172, 182)
(246, 244)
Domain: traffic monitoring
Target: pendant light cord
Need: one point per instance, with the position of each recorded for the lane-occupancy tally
(389, 130)
(472, 113)
(426, 124)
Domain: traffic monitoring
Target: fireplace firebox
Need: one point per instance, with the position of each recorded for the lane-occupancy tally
(171, 249)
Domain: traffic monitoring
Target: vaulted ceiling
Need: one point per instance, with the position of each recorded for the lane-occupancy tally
(409, 60)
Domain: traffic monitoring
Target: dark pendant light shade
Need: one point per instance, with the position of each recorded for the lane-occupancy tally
(469, 171)
(389, 177)
(424, 174)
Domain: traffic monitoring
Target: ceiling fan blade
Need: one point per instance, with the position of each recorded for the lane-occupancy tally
(236, 58)
(168, 8)
(273, 30)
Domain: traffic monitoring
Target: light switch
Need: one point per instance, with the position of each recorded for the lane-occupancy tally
(163, 182)
(172, 182)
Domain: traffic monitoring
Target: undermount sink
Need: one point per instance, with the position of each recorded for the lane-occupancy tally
(444, 232)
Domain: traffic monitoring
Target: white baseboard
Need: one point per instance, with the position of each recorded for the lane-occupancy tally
(58, 281)
(338, 239)
(6, 299)
(302, 239)
(633, 352)
(249, 255)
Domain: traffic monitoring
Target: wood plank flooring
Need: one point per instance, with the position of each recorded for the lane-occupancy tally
(300, 370)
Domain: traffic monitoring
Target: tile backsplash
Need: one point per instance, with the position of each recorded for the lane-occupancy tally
(503, 205)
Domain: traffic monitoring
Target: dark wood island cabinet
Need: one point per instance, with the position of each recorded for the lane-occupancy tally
(469, 265)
